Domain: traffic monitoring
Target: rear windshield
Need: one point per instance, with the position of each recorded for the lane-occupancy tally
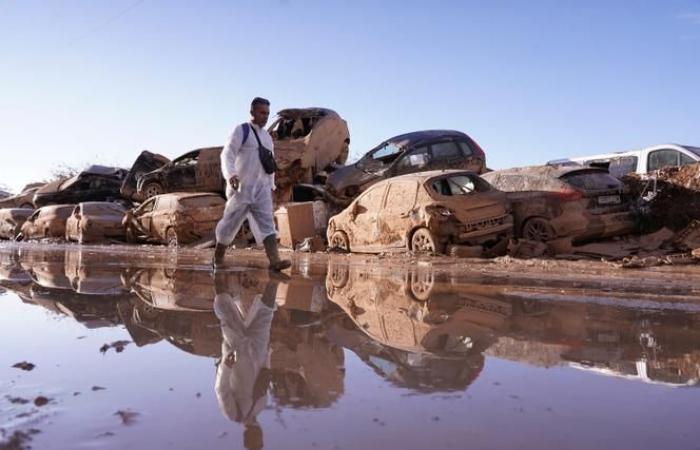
(592, 181)
(460, 185)
(200, 202)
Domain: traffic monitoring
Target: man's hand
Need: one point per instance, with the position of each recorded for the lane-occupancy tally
(234, 182)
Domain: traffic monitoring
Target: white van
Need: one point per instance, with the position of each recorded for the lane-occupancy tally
(640, 161)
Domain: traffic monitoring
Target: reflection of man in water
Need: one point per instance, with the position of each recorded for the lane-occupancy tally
(245, 310)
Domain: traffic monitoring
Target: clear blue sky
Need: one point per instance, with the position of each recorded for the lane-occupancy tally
(99, 81)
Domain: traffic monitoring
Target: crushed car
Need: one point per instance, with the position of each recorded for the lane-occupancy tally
(145, 163)
(175, 219)
(407, 153)
(25, 199)
(96, 183)
(96, 222)
(11, 221)
(565, 201)
(46, 222)
(423, 212)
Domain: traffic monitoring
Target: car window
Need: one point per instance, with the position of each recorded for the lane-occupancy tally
(466, 149)
(387, 153)
(460, 185)
(685, 159)
(148, 206)
(620, 167)
(659, 159)
(371, 200)
(445, 150)
(592, 181)
(416, 159)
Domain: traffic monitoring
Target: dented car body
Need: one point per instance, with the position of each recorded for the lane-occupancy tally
(11, 221)
(25, 199)
(175, 219)
(407, 153)
(145, 163)
(96, 183)
(423, 212)
(551, 202)
(47, 222)
(96, 222)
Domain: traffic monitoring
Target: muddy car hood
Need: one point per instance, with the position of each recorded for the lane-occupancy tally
(145, 163)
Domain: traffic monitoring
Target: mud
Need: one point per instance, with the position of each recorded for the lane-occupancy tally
(343, 351)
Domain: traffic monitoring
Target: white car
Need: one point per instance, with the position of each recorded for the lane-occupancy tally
(641, 161)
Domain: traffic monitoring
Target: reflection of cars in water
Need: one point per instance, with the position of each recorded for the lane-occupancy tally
(89, 273)
(11, 221)
(423, 212)
(565, 201)
(25, 199)
(175, 219)
(96, 222)
(411, 152)
(96, 183)
(47, 222)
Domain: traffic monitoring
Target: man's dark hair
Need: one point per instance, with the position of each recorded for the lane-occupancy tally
(259, 101)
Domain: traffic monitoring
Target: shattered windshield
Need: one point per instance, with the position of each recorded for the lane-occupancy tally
(592, 181)
(380, 157)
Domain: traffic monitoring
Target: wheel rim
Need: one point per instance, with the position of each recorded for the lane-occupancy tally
(152, 190)
(422, 242)
(538, 230)
(339, 241)
(422, 285)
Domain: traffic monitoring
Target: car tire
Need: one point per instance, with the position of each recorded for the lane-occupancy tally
(171, 237)
(339, 240)
(537, 229)
(421, 285)
(424, 241)
(153, 189)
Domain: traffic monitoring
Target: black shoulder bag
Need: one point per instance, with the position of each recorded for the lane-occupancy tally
(267, 159)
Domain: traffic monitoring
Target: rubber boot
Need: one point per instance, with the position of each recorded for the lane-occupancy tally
(276, 264)
(219, 255)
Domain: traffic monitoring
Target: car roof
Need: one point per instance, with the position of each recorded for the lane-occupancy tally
(634, 152)
(295, 113)
(418, 137)
(56, 207)
(424, 176)
(183, 195)
(553, 171)
(103, 170)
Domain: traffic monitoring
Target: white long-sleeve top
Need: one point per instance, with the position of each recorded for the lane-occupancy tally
(243, 160)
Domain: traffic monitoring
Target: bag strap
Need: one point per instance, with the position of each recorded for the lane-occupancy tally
(246, 132)
(257, 138)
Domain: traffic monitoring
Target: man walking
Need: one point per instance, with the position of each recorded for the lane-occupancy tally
(249, 187)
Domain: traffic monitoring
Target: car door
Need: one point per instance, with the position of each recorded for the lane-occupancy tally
(181, 175)
(208, 171)
(395, 216)
(144, 215)
(364, 227)
(413, 160)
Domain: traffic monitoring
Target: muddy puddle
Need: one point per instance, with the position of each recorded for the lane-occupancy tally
(126, 347)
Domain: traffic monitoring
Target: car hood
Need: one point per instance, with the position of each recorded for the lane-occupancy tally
(51, 187)
(351, 175)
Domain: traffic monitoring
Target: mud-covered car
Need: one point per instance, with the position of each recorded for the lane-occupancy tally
(407, 153)
(25, 199)
(145, 163)
(175, 219)
(423, 212)
(96, 222)
(46, 222)
(554, 201)
(94, 184)
(11, 221)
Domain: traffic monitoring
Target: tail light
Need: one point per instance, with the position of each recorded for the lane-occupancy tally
(568, 195)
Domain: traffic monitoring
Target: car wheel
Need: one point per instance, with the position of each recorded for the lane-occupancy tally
(171, 237)
(26, 205)
(422, 283)
(153, 189)
(538, 229)
(339, 240)
(423, 241)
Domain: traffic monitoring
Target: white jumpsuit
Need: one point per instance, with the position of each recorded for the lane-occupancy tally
(253, 199)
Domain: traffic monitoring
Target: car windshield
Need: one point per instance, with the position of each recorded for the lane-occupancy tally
(380, 157)
(592, 180)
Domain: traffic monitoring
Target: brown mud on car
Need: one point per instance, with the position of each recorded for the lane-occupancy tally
(11, 221)
(25, 199)
(175, 219)
(145, 163)
(423, 212)
(96, 183)
(551, 202)
(411, 152)
(47, 222)
(96, 222)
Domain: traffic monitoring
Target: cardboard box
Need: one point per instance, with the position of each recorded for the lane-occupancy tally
(295, 221)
